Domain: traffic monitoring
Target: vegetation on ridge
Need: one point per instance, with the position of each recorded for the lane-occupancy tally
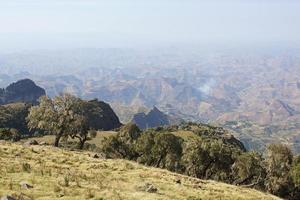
(211, 153)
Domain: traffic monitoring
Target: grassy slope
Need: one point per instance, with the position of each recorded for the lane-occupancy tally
(57, 173)
(97, 140)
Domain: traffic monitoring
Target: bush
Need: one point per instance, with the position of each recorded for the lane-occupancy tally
(123, 144)
(9, 134)
(295, 172)
(14, 116)
(279, 160)
(248, 169)
(160, 149)
(209, 159)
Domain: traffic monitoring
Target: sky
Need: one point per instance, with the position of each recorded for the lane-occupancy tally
(56, 24)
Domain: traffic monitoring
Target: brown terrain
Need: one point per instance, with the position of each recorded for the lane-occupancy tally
(254, 94)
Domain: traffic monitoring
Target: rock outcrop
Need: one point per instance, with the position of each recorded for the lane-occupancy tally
(102, 116)
(152, 119)
(21, 91)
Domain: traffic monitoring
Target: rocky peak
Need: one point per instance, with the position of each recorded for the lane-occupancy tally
(102, 116)
(21, 91)
(153, 118)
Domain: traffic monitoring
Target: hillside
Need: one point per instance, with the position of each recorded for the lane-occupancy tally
(56, 173)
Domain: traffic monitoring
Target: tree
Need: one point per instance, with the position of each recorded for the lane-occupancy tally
(144, 147)
(296, 171)
(122, 145)
(80, 129)
(248, 170)
(278, 162)
(196, 159)
(14, 116)
(9, 134)
(168, 151)
(129, 133)
(59, 116)
(209, 158)
(160, 149)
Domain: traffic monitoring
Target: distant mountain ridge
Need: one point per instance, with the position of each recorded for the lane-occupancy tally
(259, 90)
(153, 118)
(21, 91)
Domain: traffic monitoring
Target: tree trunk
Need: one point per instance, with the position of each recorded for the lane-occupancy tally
(81, 143)
(159, 161)
(56, 142)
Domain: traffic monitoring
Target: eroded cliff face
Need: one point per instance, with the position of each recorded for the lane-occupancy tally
(21, 91)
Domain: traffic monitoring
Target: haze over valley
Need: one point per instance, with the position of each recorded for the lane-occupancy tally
(152, 100)
(255, 92)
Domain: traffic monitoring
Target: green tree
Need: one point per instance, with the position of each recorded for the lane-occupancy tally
(196, 159)
(80, 129)
(122, 145)
(296, 171)
(209, 158)
(59, 116)
(160, 149)
(248, 170)
(168, 151)
(9, 134)
(278, 162)
(144, 147)
(14, 116)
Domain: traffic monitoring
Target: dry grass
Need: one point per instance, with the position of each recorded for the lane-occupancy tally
(60, 174)
(185, 135)
(49, 139)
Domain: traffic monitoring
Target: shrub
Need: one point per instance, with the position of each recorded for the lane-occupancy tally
(160, 149)
(209, 159)
(9, 134)
(278, 162)
(295, 171)
(122, 145)
(248, 170)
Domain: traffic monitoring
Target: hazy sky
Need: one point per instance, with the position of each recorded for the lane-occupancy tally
(45, 24)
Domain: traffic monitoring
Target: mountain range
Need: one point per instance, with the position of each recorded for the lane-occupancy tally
(255, 94)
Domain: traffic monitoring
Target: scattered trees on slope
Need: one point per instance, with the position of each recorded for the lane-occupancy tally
(212, 154)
